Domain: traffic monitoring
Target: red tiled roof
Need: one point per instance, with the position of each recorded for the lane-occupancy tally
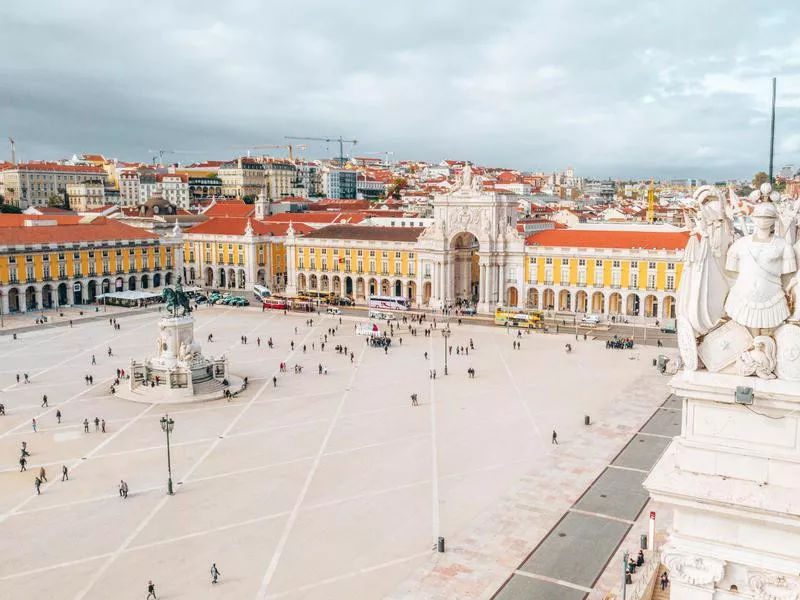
(592, 238)
(68, 229)
(237, 226)
(317, 217)
(230, 208)
(367, 232)
(54, 210)
(43, 166)
(100, 209)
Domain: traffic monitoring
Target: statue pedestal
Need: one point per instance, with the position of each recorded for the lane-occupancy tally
(733, 479)
(178, 372)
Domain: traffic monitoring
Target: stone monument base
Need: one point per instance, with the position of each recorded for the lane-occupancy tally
(733, 479)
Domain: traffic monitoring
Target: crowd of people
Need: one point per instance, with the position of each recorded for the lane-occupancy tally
(618, 343)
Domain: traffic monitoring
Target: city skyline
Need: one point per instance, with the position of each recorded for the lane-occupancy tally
(620, 91)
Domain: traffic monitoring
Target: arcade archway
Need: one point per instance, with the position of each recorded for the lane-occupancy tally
(466, 268)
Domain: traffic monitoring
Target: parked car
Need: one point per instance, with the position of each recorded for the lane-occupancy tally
(590, 319)
(469, 311)
(332, 310)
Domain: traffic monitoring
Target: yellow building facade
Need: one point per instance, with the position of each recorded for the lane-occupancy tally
(49, 262)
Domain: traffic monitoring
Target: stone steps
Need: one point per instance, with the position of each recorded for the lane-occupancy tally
(658, 594)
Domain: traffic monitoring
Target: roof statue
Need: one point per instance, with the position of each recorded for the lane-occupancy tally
(739, 301)
(466, 176)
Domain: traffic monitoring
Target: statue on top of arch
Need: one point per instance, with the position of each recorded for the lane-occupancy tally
(738, 308)
(468, 180)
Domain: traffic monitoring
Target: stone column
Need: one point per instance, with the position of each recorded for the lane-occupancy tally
(38, 296)
(501, 285)
(4, 301)
(482, 284)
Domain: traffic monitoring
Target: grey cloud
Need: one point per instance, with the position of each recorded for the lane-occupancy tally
(614, 88)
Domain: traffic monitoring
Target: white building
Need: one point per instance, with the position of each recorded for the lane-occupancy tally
(174, 188)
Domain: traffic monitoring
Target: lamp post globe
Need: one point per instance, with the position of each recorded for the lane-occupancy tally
(167, 425)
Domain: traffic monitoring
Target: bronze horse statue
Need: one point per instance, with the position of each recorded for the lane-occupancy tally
(176, 299)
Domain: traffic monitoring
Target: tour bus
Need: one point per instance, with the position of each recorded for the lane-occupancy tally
(388, 302)
(515, 317)
(261, 292)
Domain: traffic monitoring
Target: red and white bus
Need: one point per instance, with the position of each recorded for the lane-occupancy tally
(388, 302)
(275, 302)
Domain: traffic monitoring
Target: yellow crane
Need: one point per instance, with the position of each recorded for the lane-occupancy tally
(651, 203)
(289, 147)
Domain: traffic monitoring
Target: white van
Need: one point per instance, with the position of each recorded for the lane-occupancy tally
(381, 316)
(590, 320)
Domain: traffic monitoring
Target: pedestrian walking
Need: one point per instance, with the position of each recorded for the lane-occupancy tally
(109, 351)
(274, 381)
(151, 590)
(554, 439)
(22, 463)
(414, 400)
(17, 377)
(664, 581)
(44, 401)
(103, 425)
(123, 489)
(38, 483)
(91, 379)
(25, 376)
(64, 473)
(42, 474)
(33, 423)
(96, 424)
(58, 415)
(2, 409)
(214, 573)
(86, 426)
(94, 360)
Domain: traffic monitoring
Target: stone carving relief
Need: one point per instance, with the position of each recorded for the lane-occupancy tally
(772, 586)
(694, 570)
(787, 339)
(735, 282)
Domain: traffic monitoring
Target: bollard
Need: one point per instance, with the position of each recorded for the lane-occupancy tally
(655, 362)
(440, 544)
(643, 541)
(587, 420)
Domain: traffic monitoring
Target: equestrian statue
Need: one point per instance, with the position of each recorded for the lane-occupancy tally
(176, 298)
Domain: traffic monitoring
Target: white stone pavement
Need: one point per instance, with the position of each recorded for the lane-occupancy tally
(324, 487)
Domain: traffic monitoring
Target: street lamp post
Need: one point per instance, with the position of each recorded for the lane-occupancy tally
(445, 335)
(166, 426)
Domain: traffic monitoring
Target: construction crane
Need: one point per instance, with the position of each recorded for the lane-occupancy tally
(289, 147)
(338, 140)
(161, 154)
(651, 203)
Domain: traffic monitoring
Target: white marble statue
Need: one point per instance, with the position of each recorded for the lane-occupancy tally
(704, 285)
(739, 299)
(760, 359)
(466, 176)
(757, 299)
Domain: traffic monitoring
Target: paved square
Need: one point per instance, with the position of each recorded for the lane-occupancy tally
(324, 487)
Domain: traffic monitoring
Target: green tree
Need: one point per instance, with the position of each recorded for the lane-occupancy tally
(760, 177)
(55, 200)
(395, 186)
(10, 208)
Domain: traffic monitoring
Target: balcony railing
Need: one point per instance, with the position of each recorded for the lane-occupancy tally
(598, 285)
(651, 288)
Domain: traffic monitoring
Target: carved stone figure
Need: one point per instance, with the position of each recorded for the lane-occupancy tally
(760, 359)
(694, 570)
(772, 586)
(787, 340)
(704, 286)
(757, 299)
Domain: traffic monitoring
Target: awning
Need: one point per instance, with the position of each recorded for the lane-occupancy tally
(129, 295)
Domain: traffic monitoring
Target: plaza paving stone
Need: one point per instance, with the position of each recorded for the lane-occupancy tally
(326, 486)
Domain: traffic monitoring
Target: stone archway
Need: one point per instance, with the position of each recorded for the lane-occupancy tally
(62, 294)
(412, 291)
(615, 304)
(512, 296)
(209, 277)
(668, 308)
(348, 286)
(581, 302)
(47, 296)
(13, 300)
(312, 282)
(426, 292)
(533, 298)
(598, 303)
(650, 306)
(632, 305)
(301, 282)
(549, 299)
(385, 288)
(360, 288)
(464, 261)
(91, 290)
(565, 300)
(30, 298)
(372, 287)
(324, 283)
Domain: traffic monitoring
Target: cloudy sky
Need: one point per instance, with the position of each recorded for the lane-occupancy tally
(666, 88)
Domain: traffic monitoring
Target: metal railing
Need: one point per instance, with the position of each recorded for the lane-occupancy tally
(641, 588)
